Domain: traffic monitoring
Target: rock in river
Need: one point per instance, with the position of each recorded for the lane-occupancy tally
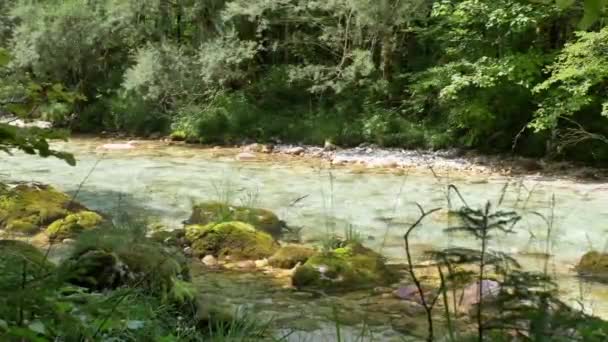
(238, 240)
(261, 219)
(289, 256)
(27, 208)
(346, 268)
(594, 265)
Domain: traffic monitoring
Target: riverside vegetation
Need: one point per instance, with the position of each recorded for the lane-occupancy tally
(498, 76)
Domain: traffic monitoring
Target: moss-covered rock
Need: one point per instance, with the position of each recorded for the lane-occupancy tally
(261, 219)
(289, 256)
(145, 264)
(73, 224)
(27, 208)
(239, 240)
(17, 256)
(594, 265)
(97, 270)
(346, 268)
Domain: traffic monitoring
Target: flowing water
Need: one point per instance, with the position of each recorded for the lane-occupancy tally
(162, 182)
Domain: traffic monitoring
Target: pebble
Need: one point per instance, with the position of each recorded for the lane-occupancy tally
(68, 241)
(209, 261)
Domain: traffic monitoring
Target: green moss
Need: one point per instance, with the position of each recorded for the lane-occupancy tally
(15, 256)
(345, 268)
(73, 224)
(29, 206)
(261, 219)
(24, 227)
(594, 265)
(239, 240)
(289, 256)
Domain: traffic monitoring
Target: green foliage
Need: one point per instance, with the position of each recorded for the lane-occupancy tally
(576, 81)
(413, 73)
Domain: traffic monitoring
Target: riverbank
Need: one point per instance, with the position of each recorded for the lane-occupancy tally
(368, 157)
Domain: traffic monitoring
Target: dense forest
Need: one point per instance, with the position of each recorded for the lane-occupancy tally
(498, 76)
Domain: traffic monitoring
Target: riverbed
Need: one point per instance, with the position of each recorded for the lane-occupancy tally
(161, 182)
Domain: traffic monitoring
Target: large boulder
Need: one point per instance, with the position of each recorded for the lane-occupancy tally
(27, 208)
(239, 240)
(346, 268)
(73, 224)
(262, 219)
(594, 265)
(290, 256)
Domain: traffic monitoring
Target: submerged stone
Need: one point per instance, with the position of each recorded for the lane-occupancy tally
(470, 294)
(594, 265)
(289, 256)
(237, 240)
(73, 224)
(262, 219)
(346, 268)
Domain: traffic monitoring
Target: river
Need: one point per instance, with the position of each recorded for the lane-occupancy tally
(162, 181)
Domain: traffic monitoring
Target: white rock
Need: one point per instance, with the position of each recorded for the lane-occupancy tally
(209, 260)
(244, 156)
(261, 263)
(296, 151)
(254, 148)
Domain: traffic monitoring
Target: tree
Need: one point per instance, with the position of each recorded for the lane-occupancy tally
(26, 99)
